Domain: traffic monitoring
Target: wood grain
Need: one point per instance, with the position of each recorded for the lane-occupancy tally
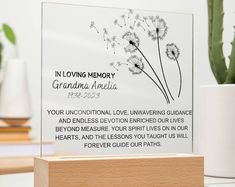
(133, 171)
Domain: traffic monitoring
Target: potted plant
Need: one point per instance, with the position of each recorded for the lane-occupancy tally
(218, 101)
(7, 32)
(14, 96)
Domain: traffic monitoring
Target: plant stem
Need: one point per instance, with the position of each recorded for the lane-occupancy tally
(160, 59)
(1, 48)
(180, 77)
(167, 100)
(153, 72)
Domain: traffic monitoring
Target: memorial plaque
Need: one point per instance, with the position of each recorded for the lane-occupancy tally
(116, 81)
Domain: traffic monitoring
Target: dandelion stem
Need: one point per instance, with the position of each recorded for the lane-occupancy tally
(167, 100)
(124, 20)
(96, 30)
(115, 68)
(152, 70)
(145, 20)
(112, 65)
(160, 59)
(180, 77)
(107, 44)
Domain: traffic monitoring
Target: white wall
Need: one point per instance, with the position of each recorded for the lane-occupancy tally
(24, 16)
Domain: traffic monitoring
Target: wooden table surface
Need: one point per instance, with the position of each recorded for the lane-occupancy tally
(16, 165)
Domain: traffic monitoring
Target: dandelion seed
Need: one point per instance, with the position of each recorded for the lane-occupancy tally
(113, 45)
(133, 26)
(145, 20)
(130, 11)
(124, 19)
(151, 18)
(154, 20)
(116, 23)
(105, 32)
(139, 25)
(92, 25)
(137, 17)
(108, 41)
(152, 35)
(114, 39)
(112, 64)
(120, 64)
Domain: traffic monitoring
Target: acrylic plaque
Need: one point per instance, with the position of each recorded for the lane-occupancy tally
(116, 81)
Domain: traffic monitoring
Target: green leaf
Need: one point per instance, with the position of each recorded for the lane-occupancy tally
(9, 33)
(1, 48)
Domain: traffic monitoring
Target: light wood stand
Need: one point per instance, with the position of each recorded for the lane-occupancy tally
(130, 171)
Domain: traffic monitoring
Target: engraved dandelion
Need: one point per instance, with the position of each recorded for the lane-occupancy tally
(124, 19)
(92, 26)
(134, 39)
(140, 26)
(105, 33)
(160, 29)
(137, 17)
(173, 52)
(137, 65)
(138, 68)
(116, 23)
(156, 29)
(157, 34)
(133, 46)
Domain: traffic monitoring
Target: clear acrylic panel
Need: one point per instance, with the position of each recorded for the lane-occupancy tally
(116, 81)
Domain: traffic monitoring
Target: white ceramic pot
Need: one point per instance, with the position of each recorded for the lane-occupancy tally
(1, 77)
(9, 50)
(217, 134)
(14, 97)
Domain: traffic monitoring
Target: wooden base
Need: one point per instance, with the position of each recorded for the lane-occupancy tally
(130, 171)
